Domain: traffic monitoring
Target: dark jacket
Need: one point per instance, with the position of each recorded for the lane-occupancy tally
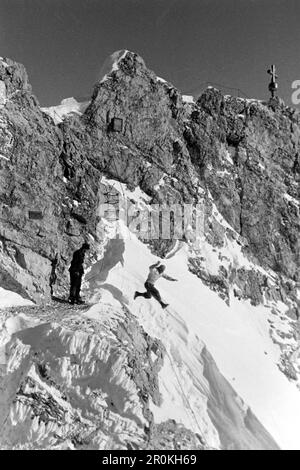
(77, 262)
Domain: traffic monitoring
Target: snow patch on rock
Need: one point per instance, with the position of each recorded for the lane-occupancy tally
(111, 64)
(66, 108)
(12, 299)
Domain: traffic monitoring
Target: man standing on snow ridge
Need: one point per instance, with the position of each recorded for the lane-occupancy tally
(156, 271)
(76, 272)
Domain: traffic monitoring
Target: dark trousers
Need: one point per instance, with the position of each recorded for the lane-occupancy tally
(75, 286)
(53, 279)
(151, 291)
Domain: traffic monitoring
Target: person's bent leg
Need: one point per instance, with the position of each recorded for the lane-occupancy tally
(146, 295)
(153, 292)
(142, 294)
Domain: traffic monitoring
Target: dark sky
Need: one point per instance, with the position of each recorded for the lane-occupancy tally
(63, 43)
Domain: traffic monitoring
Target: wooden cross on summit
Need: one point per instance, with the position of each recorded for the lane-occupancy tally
(273, 86)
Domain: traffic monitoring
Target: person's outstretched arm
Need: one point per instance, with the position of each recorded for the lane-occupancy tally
(169, 278)
(155, 265)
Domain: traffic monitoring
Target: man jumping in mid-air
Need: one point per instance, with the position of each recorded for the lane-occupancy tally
(156, 271)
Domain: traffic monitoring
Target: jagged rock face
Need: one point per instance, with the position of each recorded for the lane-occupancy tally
(14, 77)
(38, 210)
(247, 154)
(147, 148)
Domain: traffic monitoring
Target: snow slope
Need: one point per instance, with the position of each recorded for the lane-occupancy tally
(237, 337)
(202, 337)
(220, 358)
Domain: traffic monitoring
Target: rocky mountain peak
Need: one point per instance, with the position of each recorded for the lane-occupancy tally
(14, 76)
(125, 61)
(138, 140)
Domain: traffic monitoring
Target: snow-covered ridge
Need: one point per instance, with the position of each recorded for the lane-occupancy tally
(188, 99)
(111, 64)
(65, 108)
